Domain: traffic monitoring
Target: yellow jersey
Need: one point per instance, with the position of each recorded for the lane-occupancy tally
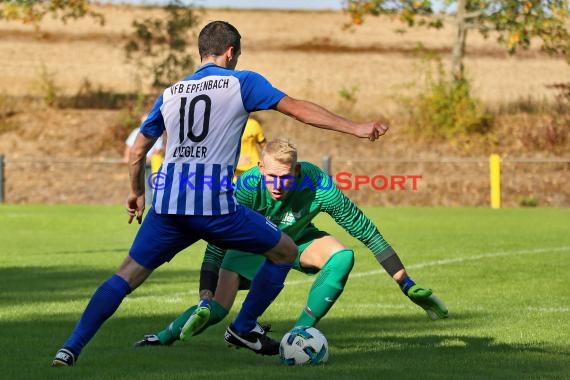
(250, 152)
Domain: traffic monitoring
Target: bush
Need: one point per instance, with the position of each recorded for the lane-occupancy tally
(47, 87)
(91, 96)
(445, 108)
(530, 201)
(524, 104)
(547, 130)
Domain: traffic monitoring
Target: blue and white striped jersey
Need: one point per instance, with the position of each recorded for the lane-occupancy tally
(204, 116)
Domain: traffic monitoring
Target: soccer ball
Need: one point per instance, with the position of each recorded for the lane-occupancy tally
(304, 345)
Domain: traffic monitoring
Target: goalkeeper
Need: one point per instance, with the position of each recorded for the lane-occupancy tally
(291, 194)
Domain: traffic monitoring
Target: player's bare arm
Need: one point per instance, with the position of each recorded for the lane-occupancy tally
(317, 116)
(137, 160)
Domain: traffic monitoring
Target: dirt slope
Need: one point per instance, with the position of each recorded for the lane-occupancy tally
(69, 155)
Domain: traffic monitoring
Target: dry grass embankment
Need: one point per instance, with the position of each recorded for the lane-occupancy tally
(309, 55)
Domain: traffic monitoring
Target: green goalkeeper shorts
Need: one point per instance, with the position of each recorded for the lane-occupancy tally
(247, 264)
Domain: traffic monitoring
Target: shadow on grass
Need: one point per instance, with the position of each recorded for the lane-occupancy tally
(361, 348)
(125, 250)
(68, 283)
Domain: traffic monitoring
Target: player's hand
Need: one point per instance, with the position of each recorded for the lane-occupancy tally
(135, 207)
(373, 130)
(424, 298)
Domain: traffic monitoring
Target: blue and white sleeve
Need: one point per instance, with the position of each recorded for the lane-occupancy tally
(257, 93)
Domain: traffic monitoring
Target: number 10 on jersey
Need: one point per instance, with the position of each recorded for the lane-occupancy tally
(187, 120)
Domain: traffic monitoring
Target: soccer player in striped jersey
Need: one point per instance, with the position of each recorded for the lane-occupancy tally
(291, 194)
(204, 116)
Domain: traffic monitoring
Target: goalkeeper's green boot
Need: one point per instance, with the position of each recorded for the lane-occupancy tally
(197, 320)
(424, 298)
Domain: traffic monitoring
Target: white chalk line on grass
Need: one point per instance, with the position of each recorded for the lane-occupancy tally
(177, 297)
(456, 260)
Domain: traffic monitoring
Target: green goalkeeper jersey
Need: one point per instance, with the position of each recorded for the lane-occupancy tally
(312, 192)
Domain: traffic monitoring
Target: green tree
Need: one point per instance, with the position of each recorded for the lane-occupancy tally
(515, 22)
(33, 11)
(160, 45)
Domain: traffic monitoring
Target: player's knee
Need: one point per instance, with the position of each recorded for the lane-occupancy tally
(344, 258)
(285, 252)
(291, 253)
(343, 262)
(133, 273)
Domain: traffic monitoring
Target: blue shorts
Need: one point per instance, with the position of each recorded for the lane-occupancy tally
(162, 236)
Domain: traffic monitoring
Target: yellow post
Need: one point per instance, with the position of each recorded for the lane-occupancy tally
(495, 176)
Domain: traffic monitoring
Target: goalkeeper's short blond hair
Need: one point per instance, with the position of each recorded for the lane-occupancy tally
(282, 150)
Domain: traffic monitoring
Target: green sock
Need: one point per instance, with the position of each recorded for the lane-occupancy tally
(327, 287)
(217, 314)
(172, 332)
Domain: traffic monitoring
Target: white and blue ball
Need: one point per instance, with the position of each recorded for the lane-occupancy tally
(304, 345)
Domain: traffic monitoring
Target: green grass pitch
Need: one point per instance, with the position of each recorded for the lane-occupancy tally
(504, 275)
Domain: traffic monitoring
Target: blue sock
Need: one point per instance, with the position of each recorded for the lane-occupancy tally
(102, 305)
(265, 286)
(406, 284)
